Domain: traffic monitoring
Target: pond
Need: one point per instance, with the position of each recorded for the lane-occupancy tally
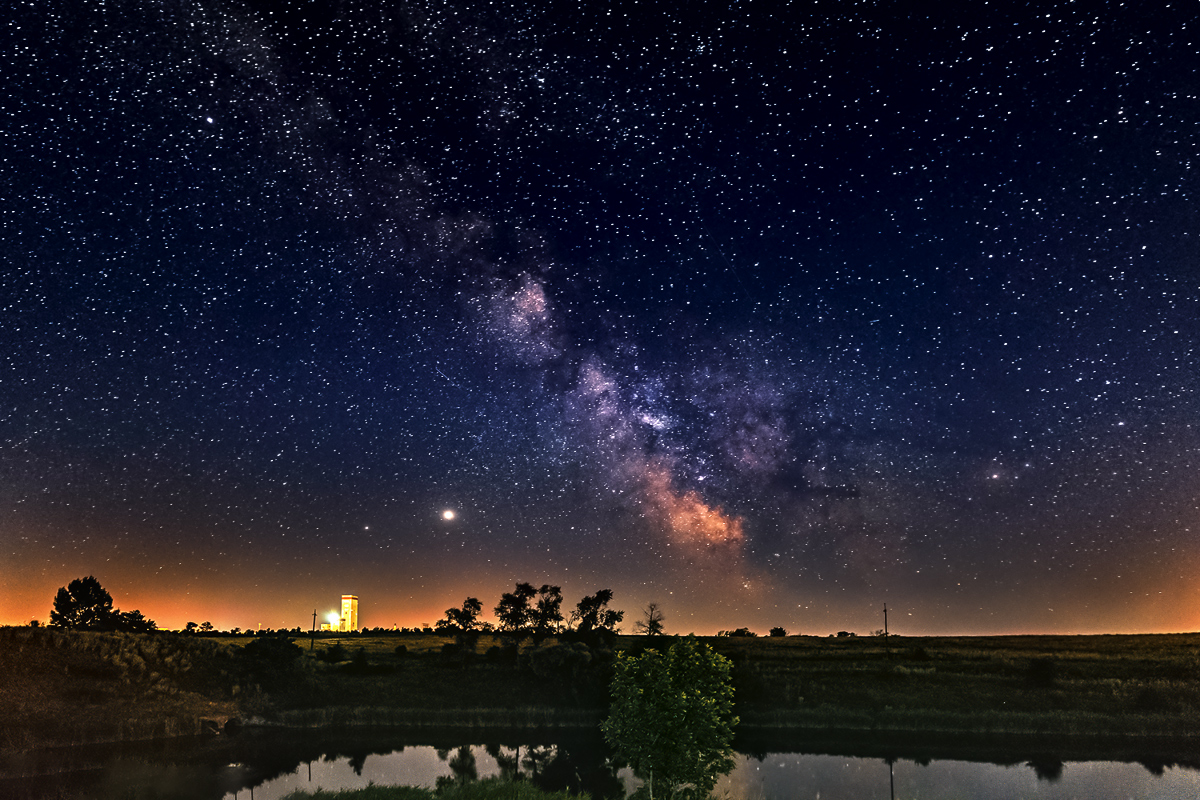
(268, 765)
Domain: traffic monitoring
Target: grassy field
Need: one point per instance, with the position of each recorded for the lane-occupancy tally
(63, 687)
(1147, 685)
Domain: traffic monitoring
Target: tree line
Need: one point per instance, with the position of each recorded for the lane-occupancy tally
(83, 604)
(538, 612)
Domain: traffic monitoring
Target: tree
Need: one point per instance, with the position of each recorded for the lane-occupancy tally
(672, 718)
(463, 619)
(83, 605)
(779, 631)
(134, 622)
(191, 627)
(652, 625)
(513, 612)
(740, 632)
(593, 613)
(547, 615)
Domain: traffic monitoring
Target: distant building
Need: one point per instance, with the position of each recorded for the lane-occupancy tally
(349, 621)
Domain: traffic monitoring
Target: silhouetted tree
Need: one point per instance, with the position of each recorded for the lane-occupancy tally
(547, 615)
(464, 619)
(779, 632)
(134, 622)
(206, 626)
(593, 613)
(513, 612)
(84, 605)
(652, 622)
(739, 632)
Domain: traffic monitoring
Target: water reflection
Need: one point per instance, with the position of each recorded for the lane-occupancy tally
(770, 765)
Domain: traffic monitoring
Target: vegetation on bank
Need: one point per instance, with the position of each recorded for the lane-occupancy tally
(66, 687)
(672, 719)
(73, 687)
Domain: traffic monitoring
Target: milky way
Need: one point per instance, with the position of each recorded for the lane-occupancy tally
(768, 313)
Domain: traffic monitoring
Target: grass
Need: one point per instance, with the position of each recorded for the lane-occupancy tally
(1070, 684)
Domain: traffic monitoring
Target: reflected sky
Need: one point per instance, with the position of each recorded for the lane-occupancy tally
(412, 766)
(793, 775)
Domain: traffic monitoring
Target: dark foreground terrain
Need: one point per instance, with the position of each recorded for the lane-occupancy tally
(65, 688)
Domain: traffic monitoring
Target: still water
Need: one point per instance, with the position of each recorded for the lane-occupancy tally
(791, 775)
(266, 766)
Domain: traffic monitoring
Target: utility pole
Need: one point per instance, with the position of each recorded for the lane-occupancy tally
(312, 637)
(887, 646)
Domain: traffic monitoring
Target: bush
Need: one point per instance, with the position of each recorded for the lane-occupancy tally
(566, 662)
(274, 650)
(401, 651)
(779, 631)
(739, 632)
(501, 655)
(334, 654)
(1041, 673)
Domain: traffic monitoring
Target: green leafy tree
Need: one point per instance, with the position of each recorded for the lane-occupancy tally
(672, 718)
(513, 613)
(652, 622)
(593, 613)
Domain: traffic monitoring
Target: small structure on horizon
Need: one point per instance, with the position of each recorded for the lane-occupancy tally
(348, 621)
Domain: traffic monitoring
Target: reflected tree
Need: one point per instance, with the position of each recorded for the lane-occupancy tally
(1047, 767)
(463, 768)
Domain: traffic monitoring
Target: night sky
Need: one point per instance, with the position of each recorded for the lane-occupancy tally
(771, 313)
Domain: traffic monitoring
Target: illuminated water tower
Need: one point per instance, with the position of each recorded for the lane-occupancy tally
(349, 620)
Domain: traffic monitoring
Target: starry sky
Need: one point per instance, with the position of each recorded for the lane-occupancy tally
(771, 313)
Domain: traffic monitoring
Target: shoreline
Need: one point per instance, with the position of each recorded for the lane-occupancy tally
(91, 688)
